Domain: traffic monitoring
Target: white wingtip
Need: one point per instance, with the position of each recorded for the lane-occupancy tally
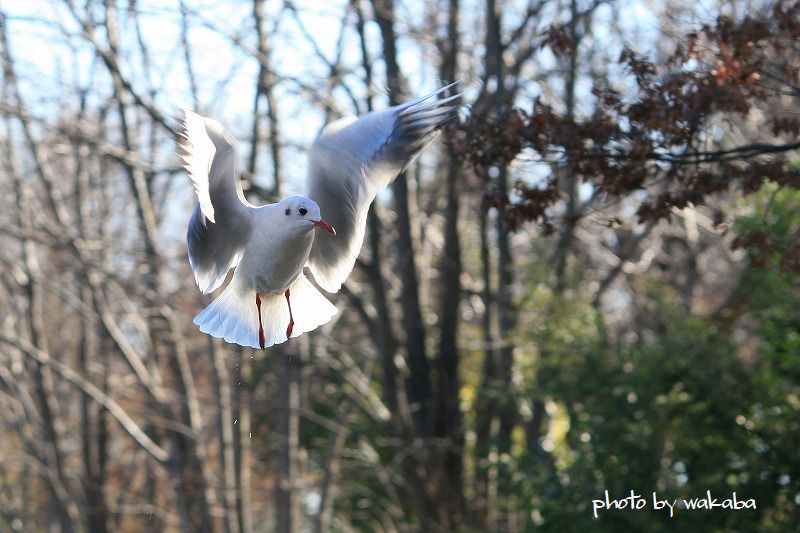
(197, 154)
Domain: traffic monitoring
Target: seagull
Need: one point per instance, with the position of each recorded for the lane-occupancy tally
(269, 299)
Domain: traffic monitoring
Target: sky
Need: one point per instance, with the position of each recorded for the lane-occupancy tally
(52, 57)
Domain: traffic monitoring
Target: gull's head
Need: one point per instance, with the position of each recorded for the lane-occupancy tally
(304, 212)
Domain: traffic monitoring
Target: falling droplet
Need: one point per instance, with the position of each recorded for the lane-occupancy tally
(234, 422)
(251, 435)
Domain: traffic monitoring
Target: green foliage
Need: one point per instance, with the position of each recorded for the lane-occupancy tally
(683, 405)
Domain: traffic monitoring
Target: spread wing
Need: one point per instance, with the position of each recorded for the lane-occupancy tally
(220, 225)
(353, 160)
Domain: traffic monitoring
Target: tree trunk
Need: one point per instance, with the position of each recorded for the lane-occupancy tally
(448, 425)
(287, 407)
(227, 460)
(418, 384)
(486, 408)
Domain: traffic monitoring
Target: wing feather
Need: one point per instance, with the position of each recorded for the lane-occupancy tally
(220, 225)
(352, 161)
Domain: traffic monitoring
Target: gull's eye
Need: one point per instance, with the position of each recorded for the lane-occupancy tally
(302, 211)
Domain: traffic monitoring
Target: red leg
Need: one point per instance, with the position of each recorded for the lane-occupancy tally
(291, 319)
(260, 324)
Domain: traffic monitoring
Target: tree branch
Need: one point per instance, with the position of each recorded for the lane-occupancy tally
(127, 423)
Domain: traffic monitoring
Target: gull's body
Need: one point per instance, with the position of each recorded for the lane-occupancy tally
(269, 300)
(274, 260)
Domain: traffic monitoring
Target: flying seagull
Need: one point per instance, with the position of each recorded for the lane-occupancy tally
(269, 300)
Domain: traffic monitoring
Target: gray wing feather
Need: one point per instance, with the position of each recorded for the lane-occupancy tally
(353, 160)
(220, 224)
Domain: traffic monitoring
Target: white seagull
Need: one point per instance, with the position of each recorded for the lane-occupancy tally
(269, 300)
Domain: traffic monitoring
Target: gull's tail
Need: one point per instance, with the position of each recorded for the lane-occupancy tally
(233, 315)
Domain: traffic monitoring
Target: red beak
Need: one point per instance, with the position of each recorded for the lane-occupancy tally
(321, 224)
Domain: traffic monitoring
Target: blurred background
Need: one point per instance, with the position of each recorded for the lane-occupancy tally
(589, 283)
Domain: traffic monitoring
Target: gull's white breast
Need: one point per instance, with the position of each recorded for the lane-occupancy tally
(275, 254)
